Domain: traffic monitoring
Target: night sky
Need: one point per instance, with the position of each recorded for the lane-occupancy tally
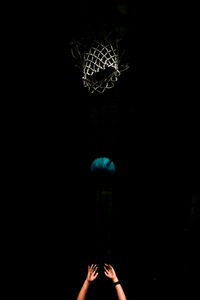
(141, 218)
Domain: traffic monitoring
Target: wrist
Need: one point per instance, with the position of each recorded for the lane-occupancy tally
(87, 281)
(115, 279)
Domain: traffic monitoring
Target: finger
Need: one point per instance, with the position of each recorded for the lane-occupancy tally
(106, 273)
(95, 268)
(93, 271)
(110, 267)
(95, 276)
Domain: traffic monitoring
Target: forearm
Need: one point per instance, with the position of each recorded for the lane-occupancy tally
(83, 291)
(119, 290)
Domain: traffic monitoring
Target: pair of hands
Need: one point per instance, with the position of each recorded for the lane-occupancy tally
(108, 271)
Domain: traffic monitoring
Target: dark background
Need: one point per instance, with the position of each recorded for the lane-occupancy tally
(154, 227)
(134, 124)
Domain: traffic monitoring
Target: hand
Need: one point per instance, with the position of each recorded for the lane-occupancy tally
(110, 272)
(92, 273)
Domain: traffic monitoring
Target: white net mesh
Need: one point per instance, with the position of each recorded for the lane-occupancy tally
(100, 66)
(102, 61)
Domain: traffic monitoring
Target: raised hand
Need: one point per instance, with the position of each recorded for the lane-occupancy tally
(92, 273)
(110, 272)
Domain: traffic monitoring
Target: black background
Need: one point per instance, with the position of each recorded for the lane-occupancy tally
(137, 125)
(132, 125)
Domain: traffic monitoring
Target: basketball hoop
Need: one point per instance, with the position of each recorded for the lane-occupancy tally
(100, 66)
